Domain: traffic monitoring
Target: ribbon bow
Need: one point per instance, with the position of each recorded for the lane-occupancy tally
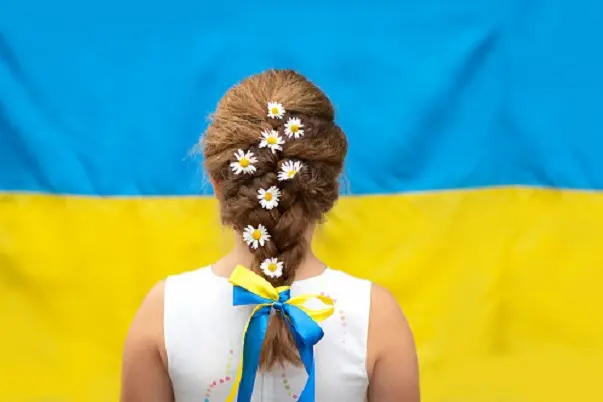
(249, 289)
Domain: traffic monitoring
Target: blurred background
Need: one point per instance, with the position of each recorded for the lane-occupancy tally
(474, 177)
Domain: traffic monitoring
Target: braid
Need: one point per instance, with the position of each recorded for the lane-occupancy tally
(278, 174)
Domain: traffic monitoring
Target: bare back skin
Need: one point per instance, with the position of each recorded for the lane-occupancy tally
(391, 357)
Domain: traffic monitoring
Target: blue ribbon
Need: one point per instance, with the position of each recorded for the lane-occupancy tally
(305, 330)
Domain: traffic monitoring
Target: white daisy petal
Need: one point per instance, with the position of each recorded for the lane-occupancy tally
(256, 237)
(275, 110)
(271, 140)
(289, 169)
(244, 163)
(269, 198)
(272, 267)
(293, 128)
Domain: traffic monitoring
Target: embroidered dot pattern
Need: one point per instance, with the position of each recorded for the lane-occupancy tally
(222, 380)
(287, 387)
(341, 314)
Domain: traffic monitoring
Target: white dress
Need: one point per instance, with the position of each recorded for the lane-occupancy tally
(203, 339)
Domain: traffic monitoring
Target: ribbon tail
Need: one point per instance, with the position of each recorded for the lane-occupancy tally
(255, 332)
(306, 353)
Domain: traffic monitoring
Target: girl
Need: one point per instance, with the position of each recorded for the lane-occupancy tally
(247, 327)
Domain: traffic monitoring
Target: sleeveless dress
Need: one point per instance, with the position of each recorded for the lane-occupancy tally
(203, 339)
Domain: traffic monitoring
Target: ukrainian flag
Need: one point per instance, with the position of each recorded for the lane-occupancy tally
(475, 177)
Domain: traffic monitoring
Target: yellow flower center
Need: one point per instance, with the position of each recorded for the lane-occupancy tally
(274, 111)
(268, 196)
(272, 267)
(271, 140)
(257, 235)
(291, 173)
(294, 128)
(244, 162)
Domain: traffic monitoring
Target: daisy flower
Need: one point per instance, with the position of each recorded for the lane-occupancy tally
(272, 267)
(255, 237)
(269, 198)
(244, 163)
(293, 128)
(271, 139)
(275, 110)
(289, 169)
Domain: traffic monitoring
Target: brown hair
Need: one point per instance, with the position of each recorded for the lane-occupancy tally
(237, 123)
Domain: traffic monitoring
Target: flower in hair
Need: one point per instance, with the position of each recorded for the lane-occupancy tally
(271, 139)
(255, 237)
(269, 198)
(289, 169)
(275, 110)
(244, 163)
(293, 128)
(272, 267)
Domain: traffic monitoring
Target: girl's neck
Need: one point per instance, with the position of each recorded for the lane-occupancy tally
(240, 255)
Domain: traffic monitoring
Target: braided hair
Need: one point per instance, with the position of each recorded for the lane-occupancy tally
(276, 154)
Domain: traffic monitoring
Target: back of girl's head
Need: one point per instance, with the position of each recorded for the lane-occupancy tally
(274, 133)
